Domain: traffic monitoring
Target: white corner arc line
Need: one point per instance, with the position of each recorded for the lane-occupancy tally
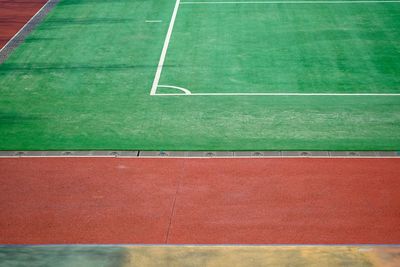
(184, 90)
(165, 49)
(23, 27)
(296, 2)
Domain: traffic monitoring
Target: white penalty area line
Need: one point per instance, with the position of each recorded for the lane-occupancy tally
(278, 94)
(23, 27)
(296, 2)
(165, 49)
(155, 85)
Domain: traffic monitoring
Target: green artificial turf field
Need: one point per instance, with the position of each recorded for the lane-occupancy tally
(314, 75)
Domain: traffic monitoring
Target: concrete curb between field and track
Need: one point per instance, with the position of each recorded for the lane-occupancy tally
(202, 154)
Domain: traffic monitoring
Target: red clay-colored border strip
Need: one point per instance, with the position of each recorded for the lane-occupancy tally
(199, 201)
(14, 14)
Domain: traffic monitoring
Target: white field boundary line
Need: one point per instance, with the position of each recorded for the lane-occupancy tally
(165, 49)
(281, 94)
(23, 27)
(296, 2)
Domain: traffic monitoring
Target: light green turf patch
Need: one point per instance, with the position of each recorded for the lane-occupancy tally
(82, 80)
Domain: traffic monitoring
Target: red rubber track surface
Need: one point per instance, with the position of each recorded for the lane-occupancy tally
(13, 16)
(199, 201)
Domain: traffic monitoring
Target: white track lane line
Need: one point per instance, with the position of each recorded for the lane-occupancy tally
(15, 35)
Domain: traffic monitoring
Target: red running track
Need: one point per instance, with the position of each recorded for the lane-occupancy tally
(199, 201)
(13, 16)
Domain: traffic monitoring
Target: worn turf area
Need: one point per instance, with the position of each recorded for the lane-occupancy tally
(82, 80)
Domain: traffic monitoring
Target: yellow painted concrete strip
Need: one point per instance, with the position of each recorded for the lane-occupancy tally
(238, 256)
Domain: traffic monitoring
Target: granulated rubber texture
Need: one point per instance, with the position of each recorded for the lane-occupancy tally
(199, 201)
